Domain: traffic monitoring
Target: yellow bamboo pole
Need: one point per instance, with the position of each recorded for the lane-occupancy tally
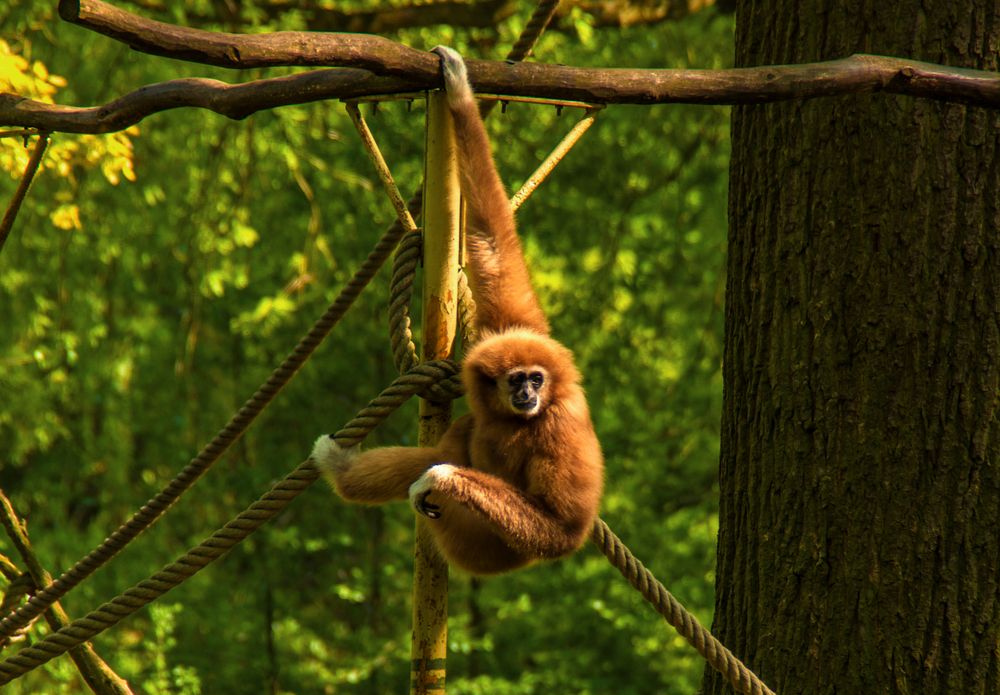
(441, 214)
(556, 156)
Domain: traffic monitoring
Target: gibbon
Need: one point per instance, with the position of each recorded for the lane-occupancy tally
(519, 479)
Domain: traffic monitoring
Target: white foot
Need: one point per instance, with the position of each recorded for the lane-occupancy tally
(424, 485)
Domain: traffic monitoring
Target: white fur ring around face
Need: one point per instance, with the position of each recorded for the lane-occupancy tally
(330, 457)
(424, 485)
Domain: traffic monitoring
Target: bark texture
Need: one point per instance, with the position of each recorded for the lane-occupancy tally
(858, 548)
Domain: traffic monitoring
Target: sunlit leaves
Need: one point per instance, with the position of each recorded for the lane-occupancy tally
(27, 79)
(66, 217)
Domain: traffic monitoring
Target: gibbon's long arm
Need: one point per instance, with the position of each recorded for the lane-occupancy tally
(498, 275)
(522, 522)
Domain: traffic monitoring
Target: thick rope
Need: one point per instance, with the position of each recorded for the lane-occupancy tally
(133, 599)
(540, 19)
(432, 378)
(714, 652)
(437, 380)
(234, 429)
(404, 271)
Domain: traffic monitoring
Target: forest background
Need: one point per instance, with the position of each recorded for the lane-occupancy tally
(156, 276)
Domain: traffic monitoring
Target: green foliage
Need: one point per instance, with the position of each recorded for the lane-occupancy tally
(155, 277)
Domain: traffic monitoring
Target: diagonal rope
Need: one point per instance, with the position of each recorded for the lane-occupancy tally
(433, 379)
(540, 19)
(234, 429)
(715, 653)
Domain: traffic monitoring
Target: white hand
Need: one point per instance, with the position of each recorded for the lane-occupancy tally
(331, 458)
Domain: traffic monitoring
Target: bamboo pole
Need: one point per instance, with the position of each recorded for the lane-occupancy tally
(429, 648)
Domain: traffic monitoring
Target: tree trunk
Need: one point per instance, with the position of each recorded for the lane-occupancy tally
(859, 530)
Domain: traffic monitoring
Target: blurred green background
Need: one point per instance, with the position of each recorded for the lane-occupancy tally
(155, 278)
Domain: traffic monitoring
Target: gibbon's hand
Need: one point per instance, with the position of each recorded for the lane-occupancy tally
(424, 486)
(331, 458)
(456, 77)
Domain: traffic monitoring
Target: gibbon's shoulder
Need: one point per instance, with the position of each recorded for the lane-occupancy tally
(497, 353)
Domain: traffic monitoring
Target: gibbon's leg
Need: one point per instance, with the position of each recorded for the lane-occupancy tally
(527, 528)
(468, 542)
(498, 275)
(373, 477)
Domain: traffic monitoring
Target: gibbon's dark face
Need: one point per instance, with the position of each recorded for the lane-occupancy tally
(522, 390)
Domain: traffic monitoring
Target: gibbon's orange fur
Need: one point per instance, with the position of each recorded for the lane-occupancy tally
(519, 478)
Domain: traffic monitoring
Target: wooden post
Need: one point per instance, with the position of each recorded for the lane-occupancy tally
(441, 214)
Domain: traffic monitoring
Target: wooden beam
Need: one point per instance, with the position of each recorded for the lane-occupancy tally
(441, 217)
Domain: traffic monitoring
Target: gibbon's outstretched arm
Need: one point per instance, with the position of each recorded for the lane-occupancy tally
(498, 275)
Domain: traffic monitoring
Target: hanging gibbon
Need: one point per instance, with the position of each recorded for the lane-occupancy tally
(518, 479)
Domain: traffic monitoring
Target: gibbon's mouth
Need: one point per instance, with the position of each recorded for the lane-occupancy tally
(525, 405)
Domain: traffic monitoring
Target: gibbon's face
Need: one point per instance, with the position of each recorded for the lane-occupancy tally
(523, 390)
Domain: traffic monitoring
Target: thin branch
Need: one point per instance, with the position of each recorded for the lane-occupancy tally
(7, 223)
(859, 74)
(235, 101)
(300, 48)
(97, 674)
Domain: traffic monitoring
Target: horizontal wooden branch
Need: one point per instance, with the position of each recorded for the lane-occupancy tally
(391, 68)
(234, 101)
(388, 58)
(854, 75)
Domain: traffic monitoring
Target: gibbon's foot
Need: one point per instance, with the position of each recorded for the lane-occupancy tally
(456, 76)
(331, 458)
(424, 486)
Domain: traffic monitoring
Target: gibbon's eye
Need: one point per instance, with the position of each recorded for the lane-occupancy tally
(537, 379)
(516, 379)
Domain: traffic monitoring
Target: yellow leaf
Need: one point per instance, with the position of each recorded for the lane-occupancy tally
(66, 217)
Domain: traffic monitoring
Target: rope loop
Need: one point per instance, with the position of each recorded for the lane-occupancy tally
(437, 380)
(404, 271)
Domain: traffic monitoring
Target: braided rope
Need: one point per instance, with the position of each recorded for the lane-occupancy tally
(234, 429)
(438, 378)
(404, 271)
(540, 19)
(714, 652)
